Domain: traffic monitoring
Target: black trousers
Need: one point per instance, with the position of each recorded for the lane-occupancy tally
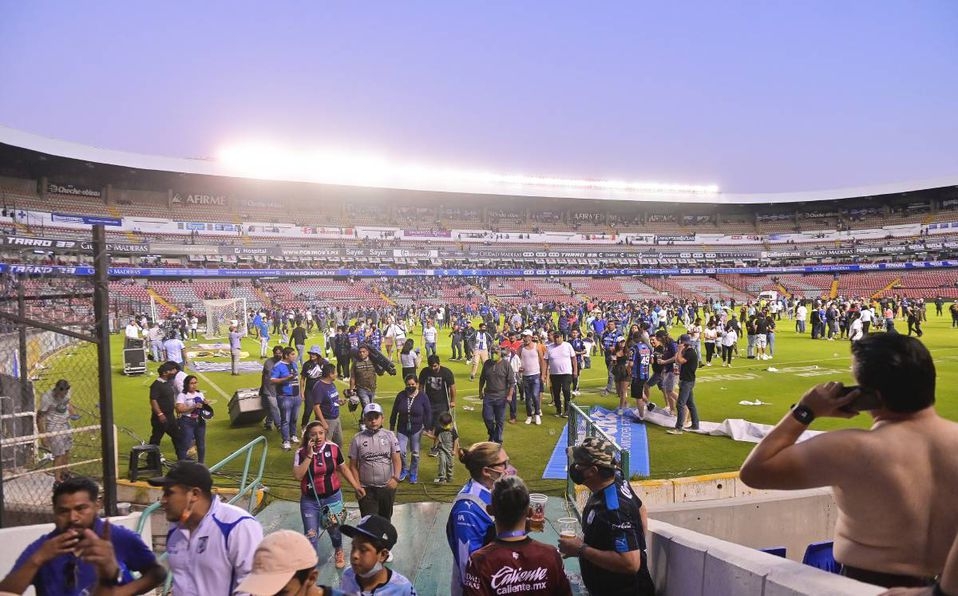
(378, 500)
(169, 428)
(561, 387)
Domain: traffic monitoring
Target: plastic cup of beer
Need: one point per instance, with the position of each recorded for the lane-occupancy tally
(537, 514)
(568, 526)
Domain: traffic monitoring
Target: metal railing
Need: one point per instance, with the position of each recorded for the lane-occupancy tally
(580, 427)
(247, 488)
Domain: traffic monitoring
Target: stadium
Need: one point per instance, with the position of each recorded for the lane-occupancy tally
(177, 240)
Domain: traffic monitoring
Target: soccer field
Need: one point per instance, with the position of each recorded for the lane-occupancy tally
(799, 362)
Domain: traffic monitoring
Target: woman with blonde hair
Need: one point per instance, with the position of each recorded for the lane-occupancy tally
(470, 526)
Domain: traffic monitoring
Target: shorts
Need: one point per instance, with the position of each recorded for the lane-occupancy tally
(635, 391)
(761, 341)
(669, 382)
(654, 381)
(620, 373)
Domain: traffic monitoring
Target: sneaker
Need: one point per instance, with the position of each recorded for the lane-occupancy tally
(472, 377)
(434, 452)
(413, 478)
(564, 415)
(528, 419)
(650, 407)
(403, 475)
(437, 481)
(512, 421)
(675, 431)
(294, 439)
(538, 419)
(340, 559)
(618, 411)
(575, 393)
(286, 446)
(267, 425)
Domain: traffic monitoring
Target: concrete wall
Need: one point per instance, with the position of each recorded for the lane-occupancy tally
(15, 540)
(792, 519)
(687, 563)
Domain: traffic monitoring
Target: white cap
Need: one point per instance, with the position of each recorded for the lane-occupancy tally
(527, 332)
(373, 408)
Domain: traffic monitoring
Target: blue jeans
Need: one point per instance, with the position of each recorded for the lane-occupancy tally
(494, 415)
(430, 349)
(532, 387)
(312, 511)
(406, 442)
(771, 343)
(289, 413)
(190, 429)
(272, 410)
(686, 400)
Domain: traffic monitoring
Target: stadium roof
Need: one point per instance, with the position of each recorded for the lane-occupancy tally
(548, 188)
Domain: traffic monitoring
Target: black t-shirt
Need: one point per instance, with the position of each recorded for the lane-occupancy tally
(437, 386)
(761, 326)
(312, 370)
(687, 370)
(165, 396)
(611, 521)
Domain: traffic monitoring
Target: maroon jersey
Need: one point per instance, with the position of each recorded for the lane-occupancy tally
(520, 567)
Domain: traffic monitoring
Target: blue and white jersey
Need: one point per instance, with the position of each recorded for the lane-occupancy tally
(469, 528)
(212, 559)
(396, 585)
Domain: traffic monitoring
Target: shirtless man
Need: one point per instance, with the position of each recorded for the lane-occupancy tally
(894, 483)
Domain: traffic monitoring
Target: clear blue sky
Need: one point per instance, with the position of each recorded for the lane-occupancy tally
(752, 96)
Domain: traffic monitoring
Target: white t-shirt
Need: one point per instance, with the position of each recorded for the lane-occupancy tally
(174, 350)
(801, 313)
(866, 315)
(560, 358)
(429, 335)
(133, 331)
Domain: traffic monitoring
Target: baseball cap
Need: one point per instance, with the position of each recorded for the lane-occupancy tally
(277, 558)
(594, 452)
(374, 527)
(206, 412)
(186, 473)
(527, 332)
(685, 338)
(315, 350)
(372, 408)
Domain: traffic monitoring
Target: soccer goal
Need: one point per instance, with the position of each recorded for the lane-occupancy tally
(220, 314)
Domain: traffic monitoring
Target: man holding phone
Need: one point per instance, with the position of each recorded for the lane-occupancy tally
(894, 483)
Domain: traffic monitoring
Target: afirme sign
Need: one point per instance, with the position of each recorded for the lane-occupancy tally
(200, 199)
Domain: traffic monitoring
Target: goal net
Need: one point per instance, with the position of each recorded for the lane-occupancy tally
(220, 314)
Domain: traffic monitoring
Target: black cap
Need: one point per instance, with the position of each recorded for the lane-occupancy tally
(186, 473)
(206, 412)
(375, 528)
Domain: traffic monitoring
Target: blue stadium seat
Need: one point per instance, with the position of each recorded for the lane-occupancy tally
(819, 554)
(778, 551)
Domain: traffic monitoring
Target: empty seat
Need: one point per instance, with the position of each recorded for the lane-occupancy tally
(819, 555)
(778, 551)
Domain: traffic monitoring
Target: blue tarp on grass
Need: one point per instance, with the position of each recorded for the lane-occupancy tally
(627, 432)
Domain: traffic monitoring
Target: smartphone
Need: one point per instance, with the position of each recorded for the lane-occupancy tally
(867, 400)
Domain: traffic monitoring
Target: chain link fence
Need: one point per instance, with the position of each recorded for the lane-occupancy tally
(49, 389)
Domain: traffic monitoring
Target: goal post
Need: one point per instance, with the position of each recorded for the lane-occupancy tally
(220, 314)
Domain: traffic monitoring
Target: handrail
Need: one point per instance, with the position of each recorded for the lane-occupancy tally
(591, 430)
(246, 487)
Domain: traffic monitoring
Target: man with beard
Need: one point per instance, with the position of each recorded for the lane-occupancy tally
(210, 543)
(612, 550)
(83, 551)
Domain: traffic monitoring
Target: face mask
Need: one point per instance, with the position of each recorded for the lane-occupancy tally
(376, 569)
(410, 390)
(576, 474)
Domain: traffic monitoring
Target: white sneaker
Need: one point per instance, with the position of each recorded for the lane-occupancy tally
(618, 411)
(528, 419)
(538, 419)
(576, 393)
(294, 439)
(286, 446)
